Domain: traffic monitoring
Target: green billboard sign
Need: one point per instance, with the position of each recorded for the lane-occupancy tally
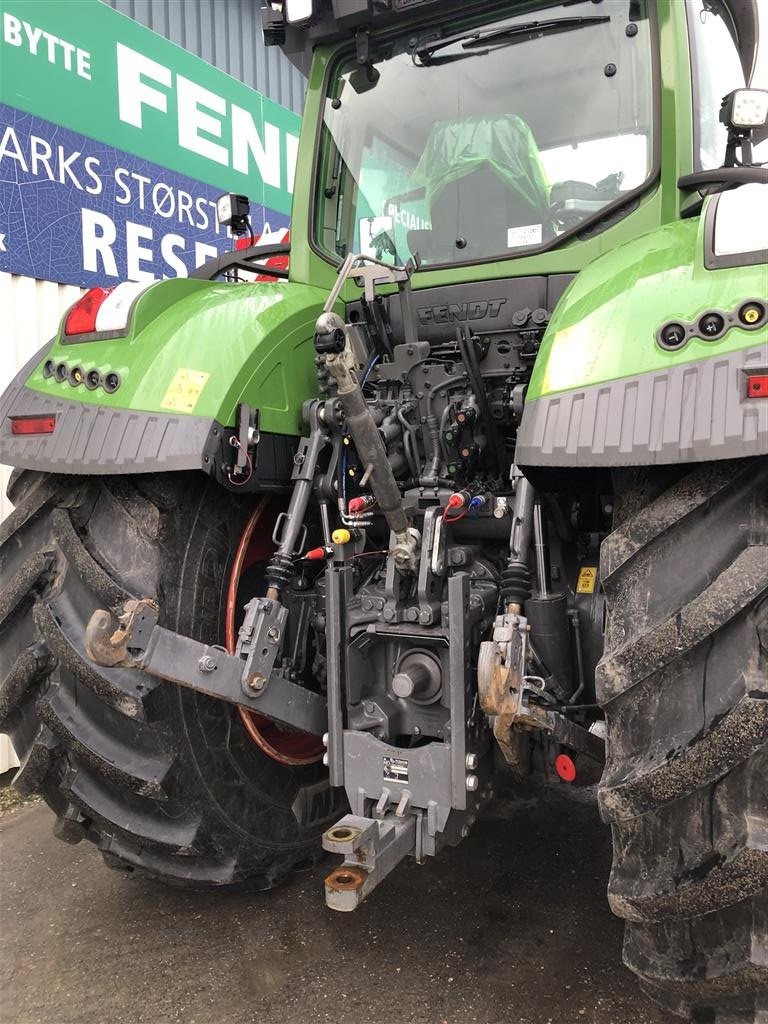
(84, 66)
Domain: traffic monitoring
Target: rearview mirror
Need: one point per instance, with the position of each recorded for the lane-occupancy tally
(377, 238)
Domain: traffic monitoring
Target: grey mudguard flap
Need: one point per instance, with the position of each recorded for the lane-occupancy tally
(695, 412)
(96, 439)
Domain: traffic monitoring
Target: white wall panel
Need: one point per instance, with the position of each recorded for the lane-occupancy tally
(30, 312)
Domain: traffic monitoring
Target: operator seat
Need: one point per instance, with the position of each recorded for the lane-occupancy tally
(484, 183)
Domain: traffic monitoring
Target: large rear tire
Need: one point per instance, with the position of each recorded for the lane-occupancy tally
(164, 781)
(684, 685)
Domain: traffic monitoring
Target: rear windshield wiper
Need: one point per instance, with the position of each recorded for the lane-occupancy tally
(503, 36)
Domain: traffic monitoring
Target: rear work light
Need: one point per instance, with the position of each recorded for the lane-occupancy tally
(103, 309)
(21, 425)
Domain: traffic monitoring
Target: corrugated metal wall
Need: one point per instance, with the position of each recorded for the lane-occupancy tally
(227, 34)
(31, 311)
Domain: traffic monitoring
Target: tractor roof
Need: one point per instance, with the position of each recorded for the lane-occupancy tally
(334, 21)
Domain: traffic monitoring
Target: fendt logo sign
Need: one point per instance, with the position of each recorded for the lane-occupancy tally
(115, 143)
(460, 312)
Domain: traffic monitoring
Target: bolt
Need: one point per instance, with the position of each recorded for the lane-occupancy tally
(257, 682)
(471, 763)
(369, 708)
(472, 783)
(416, 731)
(273, 634)
(325, 739)
(206, 663)
(325, 759)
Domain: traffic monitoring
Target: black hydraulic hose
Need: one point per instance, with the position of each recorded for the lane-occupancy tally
(469, 358)
(433, 427)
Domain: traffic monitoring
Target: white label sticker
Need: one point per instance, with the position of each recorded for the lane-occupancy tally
(529, 234)
(395, 769)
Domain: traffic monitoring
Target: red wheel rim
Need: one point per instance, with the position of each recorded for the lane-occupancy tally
(286, 746)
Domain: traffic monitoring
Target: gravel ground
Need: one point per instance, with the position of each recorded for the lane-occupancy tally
(512, 927)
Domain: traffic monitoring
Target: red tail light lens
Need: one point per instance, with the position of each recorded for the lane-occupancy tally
(81, 319)
(33, 424)
(757, 386)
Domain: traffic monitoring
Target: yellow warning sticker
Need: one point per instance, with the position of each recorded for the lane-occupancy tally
(184, 390)
(587, 580)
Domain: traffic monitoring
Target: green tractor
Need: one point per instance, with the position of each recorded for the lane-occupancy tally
(477, 489)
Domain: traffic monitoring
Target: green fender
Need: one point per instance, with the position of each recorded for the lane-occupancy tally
(192, 352)
(604, 390)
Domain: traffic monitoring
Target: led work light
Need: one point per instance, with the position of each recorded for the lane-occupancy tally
(233, 211)
(745, 108)
(298, 10)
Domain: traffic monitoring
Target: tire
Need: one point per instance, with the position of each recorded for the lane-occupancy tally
(684, 685)
(164, 781)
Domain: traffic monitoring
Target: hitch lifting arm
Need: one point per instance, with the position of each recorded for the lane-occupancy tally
(134, 640)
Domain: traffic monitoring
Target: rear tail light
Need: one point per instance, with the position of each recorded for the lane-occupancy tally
(104, 309)
(81, 319)
(757, 385)
(21, 425)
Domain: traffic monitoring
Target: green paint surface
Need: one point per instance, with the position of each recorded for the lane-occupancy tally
(605, 325)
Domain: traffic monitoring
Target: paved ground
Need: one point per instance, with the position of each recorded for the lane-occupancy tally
(512, 927)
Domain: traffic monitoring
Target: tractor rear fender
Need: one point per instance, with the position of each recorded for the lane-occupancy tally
(190, 353)
(658, 351)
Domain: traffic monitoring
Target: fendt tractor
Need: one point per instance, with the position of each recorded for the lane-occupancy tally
(475, 492)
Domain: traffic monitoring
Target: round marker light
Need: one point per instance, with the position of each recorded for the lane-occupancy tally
(565, 768)
(673, 335)
(711, 325)
(751, 313)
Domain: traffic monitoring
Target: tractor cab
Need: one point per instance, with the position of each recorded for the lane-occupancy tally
(478, 133)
